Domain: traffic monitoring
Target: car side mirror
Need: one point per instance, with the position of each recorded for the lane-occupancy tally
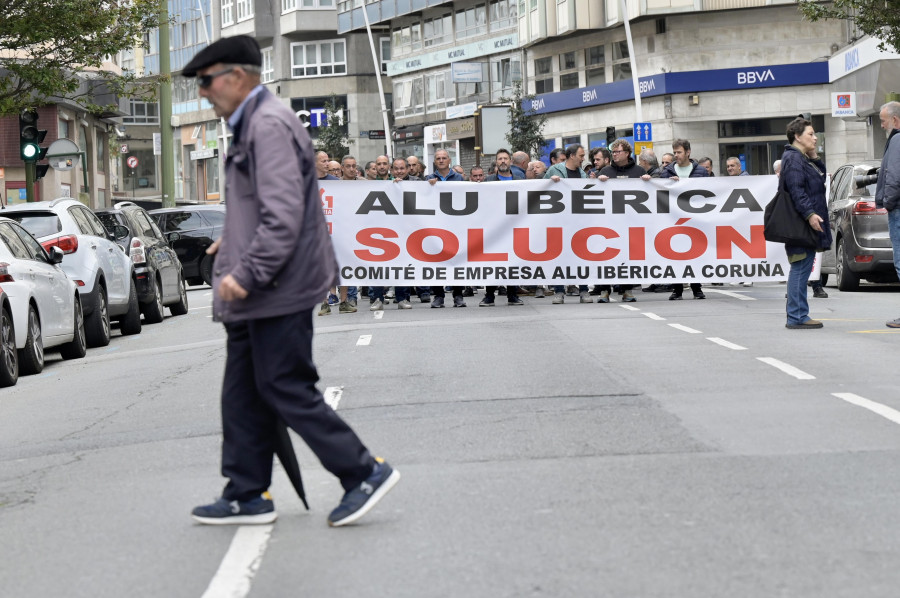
(172, 237)
(120, 232)
(56, 255)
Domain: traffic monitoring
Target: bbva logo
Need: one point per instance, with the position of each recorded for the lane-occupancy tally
(751, 77)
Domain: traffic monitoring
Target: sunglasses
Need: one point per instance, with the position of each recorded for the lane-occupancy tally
(204, 81)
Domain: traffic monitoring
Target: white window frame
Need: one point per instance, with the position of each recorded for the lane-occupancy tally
(267, 70)
(382, 42)
(244, 10)
(227, 13)
(405, 101)
(319, 65)
(288, 6)
(445, 93)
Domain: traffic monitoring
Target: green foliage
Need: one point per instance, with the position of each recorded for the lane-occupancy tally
(332, 139)
(49, 47)
(877, 18)
(525, 127)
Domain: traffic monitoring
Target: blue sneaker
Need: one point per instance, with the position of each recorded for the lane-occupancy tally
(360, 500)
(234, 512)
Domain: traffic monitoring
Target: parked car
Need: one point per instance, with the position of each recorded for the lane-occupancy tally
(190, 230)
(861, 243)
(44, 307)
(157, 271)
(93, 260)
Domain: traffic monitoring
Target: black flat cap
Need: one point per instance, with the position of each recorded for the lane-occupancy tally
(240, 49)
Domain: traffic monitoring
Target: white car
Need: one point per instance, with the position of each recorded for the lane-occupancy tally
(97, 264)
(45, 304)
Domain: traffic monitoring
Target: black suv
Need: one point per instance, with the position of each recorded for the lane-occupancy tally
(158, 274)
(190, 230)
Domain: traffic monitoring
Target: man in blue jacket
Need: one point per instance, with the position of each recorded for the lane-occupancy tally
(274, 262)
(887, 189)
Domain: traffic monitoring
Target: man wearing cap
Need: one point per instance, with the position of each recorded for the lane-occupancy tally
(274, 262)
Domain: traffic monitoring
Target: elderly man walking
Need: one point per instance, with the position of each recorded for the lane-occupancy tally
(274, 262)
(887, 190)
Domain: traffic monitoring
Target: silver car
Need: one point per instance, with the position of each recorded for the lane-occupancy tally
(861, 245)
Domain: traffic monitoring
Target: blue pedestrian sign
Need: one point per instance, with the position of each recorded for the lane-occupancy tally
(643, 132)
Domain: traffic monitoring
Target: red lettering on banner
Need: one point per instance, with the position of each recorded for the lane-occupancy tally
(579, 244)
(367, 237)
(663, 242)
(417, 252)
(327, 202)
(522, 244)
(754, 248)
(637, 243)
(476, 248)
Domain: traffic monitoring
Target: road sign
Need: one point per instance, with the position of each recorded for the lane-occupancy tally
(642, 145)
(123, 149)
(132, 162)
(643, 132)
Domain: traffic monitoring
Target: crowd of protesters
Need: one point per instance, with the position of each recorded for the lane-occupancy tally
(601, 163)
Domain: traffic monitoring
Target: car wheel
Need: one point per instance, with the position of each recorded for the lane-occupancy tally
(77, 348)
(9, 360)
(153, 311)
(31, 358)
(131, 321)
(180, 308)
(96, 325)
(206, 265)
(847, 280)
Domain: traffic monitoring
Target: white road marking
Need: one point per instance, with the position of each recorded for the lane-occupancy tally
(201, 307)
(685, 329)
(241, 563)
(726, 344)
(630, 307)
(332, 396)
(740, 296)
(364, 339)
(653, 316)
(378, 314)
(882, 410)
(787, 368)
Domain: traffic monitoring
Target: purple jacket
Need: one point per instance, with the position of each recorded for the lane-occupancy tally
(275, 242)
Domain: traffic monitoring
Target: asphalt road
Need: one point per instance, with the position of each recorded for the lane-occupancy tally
(661, 448)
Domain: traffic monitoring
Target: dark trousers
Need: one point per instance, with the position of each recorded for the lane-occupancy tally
(511, 292)
(400, 293)
(269, 373)
(678, 288)
(608, 288)
(439, 291)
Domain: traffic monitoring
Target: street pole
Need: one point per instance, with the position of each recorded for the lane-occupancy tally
(29, 181)
(388, 138)
(167, 160)
(639, 114)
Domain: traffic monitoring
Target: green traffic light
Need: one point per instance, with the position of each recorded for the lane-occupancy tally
(30, 151)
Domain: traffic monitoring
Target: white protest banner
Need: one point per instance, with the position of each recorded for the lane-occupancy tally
(543, 232)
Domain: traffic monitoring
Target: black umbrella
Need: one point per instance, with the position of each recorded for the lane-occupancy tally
(285, 451)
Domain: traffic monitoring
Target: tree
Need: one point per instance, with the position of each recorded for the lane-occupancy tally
(525, 125)
(332, 137)
(56, 48)
(876, 18)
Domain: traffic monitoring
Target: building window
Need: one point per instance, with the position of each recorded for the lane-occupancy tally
(502, 14)
(438, 31)
(227, 12)
(101, 152)
(543, 75)
(291, 5)
(408, 97)
(244, 10)
(385, 43)
(505, 72)
(471, 22)
(288, 5)
(267, 71)
(620, 63)
(63, 129)
(595, 62)
(407, 39)
(142, 113)
(439, 91)
(320, 58)
(568, 71)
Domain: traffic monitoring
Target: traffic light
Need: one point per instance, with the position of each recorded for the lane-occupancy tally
(30, 137)
(40, 170)
(610, 136)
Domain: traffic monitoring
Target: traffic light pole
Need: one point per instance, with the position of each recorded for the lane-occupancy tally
(29, 181)
(165, 109)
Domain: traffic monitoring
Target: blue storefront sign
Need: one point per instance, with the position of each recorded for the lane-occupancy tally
(778, 75)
